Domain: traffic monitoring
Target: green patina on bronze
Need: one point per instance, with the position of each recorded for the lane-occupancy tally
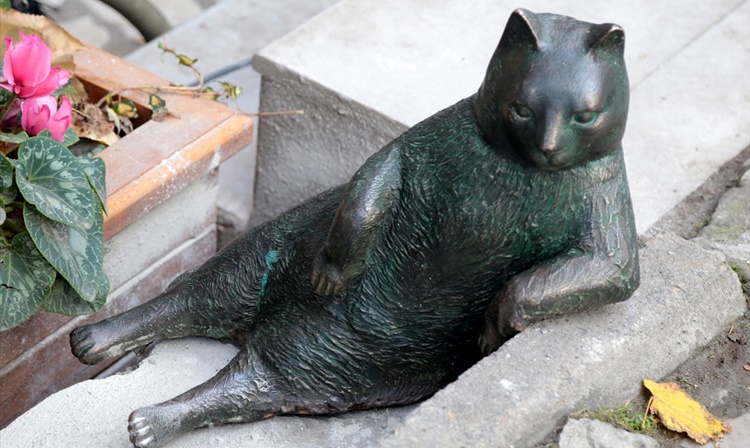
(506, 208)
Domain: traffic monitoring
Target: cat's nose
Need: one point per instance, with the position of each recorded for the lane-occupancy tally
(548, 142)
(548, 138)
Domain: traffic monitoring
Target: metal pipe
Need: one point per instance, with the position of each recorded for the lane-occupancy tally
(143, 15)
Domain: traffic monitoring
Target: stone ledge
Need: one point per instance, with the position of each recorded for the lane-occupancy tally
(514, 397)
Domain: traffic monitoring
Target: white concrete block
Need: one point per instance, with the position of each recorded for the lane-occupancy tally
(408, 59)
(404, 60)
(94, 413)
(237, 175)
(182, 217)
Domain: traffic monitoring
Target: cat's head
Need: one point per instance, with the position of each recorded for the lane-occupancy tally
(556, 89)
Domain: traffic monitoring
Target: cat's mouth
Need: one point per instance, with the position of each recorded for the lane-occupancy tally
(550, 161)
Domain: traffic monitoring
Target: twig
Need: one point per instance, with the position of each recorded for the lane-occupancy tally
(645, 414)
(81, 114)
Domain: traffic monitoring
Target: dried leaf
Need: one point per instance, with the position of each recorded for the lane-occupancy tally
(125, 108)
(122, 123)
(92, 123)
(678, 412)
(60, 41)
(232, 90)
(186, 60)
(158, 107)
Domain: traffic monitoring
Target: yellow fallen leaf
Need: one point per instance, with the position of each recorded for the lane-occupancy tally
(678, 412)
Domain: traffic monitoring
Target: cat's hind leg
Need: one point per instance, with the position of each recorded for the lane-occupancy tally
(222, 298)
(218, 300)
(164, 317)
(243, 391)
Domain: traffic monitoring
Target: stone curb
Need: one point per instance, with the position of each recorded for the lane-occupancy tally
(517, 395)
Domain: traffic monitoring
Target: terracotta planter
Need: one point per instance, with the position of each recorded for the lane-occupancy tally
(162, 220)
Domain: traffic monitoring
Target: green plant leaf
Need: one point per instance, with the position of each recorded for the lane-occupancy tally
(232, 90)
(159, 109)
(77, 254)
(70, 138)
(8, 195)
(63, 299)
(5, 95)
(5, 6)
(25, 280)
(67, 90)
(51, 178)
(14, 138)
(186, 60)
(86, 148)
(96, 173)
(6, 172)
(126, 108)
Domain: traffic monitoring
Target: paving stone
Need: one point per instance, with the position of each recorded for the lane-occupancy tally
(729, 229)
(95, 23)
(587, 433)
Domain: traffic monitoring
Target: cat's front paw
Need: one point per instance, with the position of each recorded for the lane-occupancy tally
(489, 340)
(327, 279)
(491, 337)
(498, 325)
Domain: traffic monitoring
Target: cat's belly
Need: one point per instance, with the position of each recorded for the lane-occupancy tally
(433, 286)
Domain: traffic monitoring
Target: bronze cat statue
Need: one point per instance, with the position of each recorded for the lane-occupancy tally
(508, 207)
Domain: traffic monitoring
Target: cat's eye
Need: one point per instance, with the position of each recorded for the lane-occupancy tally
(585, 117)
(522, 111)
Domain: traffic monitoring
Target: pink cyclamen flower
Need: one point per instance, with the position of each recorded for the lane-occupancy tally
(26, 68)
(38, 114)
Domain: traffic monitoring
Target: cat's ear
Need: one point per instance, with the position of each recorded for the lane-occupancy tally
(608, 38)
(523, 29)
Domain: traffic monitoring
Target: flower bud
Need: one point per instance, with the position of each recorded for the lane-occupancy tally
(26, 68)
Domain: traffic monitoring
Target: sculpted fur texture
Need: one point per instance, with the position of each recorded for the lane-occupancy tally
(508, 207)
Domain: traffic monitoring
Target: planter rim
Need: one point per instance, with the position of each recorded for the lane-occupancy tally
(158, 159)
